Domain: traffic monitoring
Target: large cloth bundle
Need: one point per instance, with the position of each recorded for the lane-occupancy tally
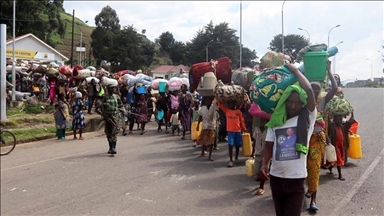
(91, 68)
(52, 72)
(82, 74)
(229, 94)
(175, 84)
(62, 78)
(240, 77)
(89, 79)
(76, 70)
(339, 106)
(155, 83)
(101, 73)
(223, 68)
(145, 77)
(105, 81)
(66, 70)
(136, 80)
(120, 74)
(272, 59)
(17, 68)
(185, 81)
(41, 69)
(270, 85)
(126, 77)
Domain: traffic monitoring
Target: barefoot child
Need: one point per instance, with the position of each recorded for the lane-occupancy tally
(235, 125)
(175, 122)
(338, 134)
(207, 114)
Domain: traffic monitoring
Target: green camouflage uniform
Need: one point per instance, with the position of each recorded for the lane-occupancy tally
(110, 105)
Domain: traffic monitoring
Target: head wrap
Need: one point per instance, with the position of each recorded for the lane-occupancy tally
(279, 116)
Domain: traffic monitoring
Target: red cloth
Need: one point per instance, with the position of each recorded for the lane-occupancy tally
(339, 146)
(255, 111)
(76, 70)
(223, 71)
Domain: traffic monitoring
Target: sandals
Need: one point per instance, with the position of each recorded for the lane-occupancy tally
(259, 191)
(313, 207)
(230, 164)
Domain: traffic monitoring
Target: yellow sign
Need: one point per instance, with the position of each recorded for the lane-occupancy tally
(27, 54)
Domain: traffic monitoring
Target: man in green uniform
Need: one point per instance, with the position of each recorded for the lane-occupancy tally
(109, 106)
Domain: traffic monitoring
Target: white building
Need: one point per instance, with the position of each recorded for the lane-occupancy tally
(30, 47)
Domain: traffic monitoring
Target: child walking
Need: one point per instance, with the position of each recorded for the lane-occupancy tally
(175, 122)
(235, 125)
(142, 111)
(162, 105)
(338, 134)
(207, 114)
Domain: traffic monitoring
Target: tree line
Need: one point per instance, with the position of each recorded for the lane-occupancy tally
(39, 17)
(127, 48)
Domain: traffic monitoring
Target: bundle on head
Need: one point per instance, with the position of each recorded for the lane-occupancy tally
(339, 106)
(231, 95)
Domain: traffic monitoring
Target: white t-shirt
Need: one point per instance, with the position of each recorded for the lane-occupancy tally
(175, 119)
(209, 116)
(286, 161)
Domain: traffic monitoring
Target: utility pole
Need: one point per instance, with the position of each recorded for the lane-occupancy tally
(73, 32)
(241, 45)
(13, 53)
(81, 45)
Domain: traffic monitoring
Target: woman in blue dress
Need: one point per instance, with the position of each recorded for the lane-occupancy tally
(78, 122)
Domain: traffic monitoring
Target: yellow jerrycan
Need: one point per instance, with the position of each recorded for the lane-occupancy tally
(194, 133)
(247, 144)
(354, 150)
(250, 167)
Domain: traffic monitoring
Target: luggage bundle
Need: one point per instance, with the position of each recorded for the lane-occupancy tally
(174, 84)
(339, 106)
(270, 85)
(230, 94)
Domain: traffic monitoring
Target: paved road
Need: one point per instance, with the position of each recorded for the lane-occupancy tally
(157, 174)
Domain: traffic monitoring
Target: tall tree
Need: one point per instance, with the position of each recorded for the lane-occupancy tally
(248, 57)
(166, 41)
(220, 41)
(292, 44)
(39, 17)
(107, 27)
(177, 53)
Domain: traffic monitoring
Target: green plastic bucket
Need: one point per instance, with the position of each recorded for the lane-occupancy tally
(315, 65)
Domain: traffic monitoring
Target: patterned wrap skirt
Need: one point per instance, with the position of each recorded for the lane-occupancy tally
(315, 155)
(207, 137)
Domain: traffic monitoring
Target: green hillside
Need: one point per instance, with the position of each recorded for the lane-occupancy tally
(63, 45)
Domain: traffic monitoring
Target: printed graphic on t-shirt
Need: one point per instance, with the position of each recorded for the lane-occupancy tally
(285, 144)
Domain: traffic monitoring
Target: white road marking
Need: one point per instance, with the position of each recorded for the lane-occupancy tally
(43, 161)
(358, 184)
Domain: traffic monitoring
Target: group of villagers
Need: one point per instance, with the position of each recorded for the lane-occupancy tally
(290, 144)
(302, 116)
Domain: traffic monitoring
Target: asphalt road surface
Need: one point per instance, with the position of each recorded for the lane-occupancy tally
(157, 174)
